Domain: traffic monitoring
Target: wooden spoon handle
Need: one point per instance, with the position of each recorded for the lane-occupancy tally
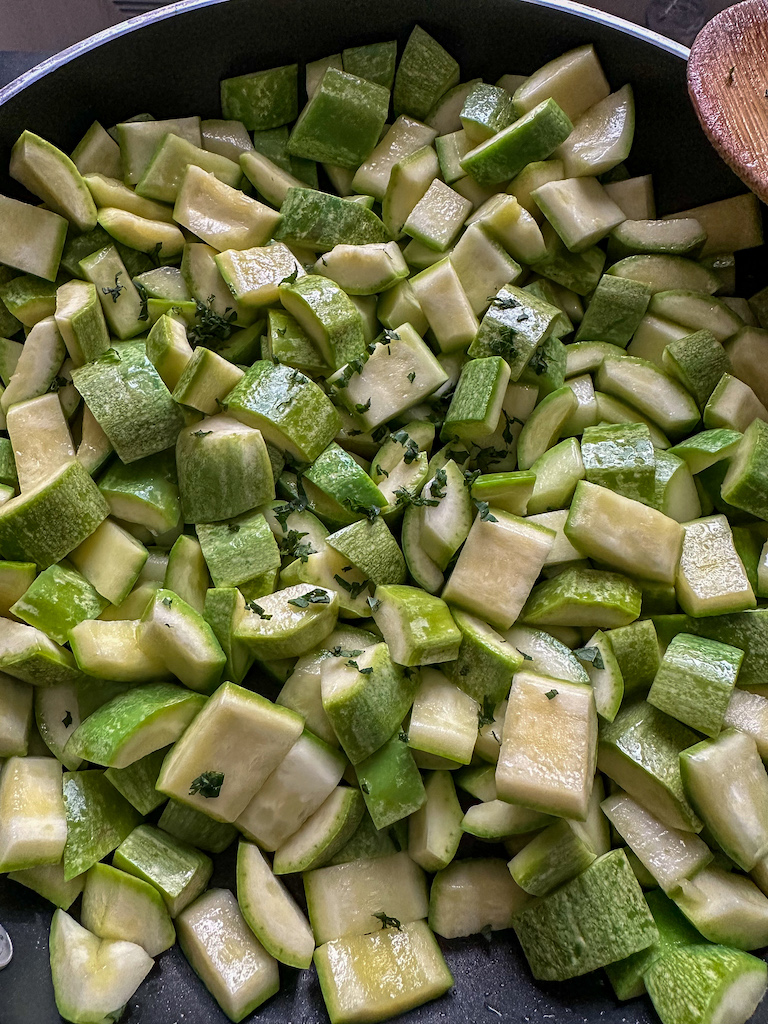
(728, 83)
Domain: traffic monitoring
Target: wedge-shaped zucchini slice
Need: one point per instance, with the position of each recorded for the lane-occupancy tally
(472, 896)
(357, 974)
(300, 784)
(351, 899)
(33, 826)
(322, 835)
(640, 751)
(538, 767)
(117, 905)
(226, 955)
(365, 696)
(174, 633)
(270, 911)
(177, 871)
(669, 854)
(93, 978)
(134, 724)
(595, 919)
(51, 175)
(228, 752)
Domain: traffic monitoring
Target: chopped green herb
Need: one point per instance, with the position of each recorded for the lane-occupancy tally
(168, 601)
(590, 654)
(551, 694)
(144, 297)
(503, 347)
(291, 277)
(364, 787)
(301, 500)
(507, 433)
(202, 433)
(412, 376)
(353, 589)
(208, 785)
(347, 372)
(485, 511)
(115, 292)
(362, 407)
(411, 447)
(281, 514)
(316, 596)
(538, 362)
(374, 604)
(503, 301)
(209, 325)
(370, 512)
(526, 657)
(257, 609)
(292, 545)
(486, 714)
(486, 457)
(341, 652)
(57, 384)
(365, 671)
(437, 487)
(387, 921)
(154, 254)
(233, 527)
(459, 455)
(405, 497)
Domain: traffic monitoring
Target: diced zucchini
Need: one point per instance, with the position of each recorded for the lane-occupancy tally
(120, 906)
(705, 983)
(595, 919)
(727, 785)
(640, 751)
(210, 771)
(350, 899)
(34, 827)
(536, 766)
(473, 896)
(357, 974)
(93, 978)
(669, 854)
(226, 955)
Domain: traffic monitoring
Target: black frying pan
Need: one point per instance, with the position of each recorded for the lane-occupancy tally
(168, 63)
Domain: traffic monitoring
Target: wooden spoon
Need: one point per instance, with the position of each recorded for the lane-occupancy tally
(728, 83)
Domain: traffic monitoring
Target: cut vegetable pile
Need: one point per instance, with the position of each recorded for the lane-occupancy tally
(383, 480)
